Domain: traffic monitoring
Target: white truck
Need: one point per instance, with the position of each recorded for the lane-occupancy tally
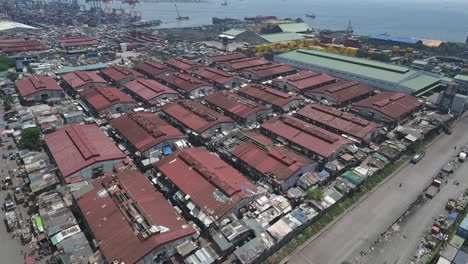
(462, 156)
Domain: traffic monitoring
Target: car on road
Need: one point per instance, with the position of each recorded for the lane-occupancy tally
(417, 157)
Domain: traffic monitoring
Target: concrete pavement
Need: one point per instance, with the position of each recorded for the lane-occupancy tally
(364, 224)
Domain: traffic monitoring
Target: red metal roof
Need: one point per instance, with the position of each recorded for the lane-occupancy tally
(185, 82)
(77, 79)
(145, 130)
(344, 122)
(277, 162)
(101, 98)
(76, 147)
(118, 73)
(78, 42)
(343, 91)
(148, 89)
(393, 105)
(245, 63)
(152, 69)
(111, 210)
(310, 137)
(195, 116)
(269, 95)
(182, 64)
(235, 104)
(21, 44)
(212, 184)
(215, 58)
(215, 75)
(34, 84)
(307, 80)
(268, 71)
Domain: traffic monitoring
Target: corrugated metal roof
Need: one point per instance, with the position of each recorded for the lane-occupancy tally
(384, 37)
(270, 70)
(295, 27)
(215, 75)
(342, 91)
(101, 98)
(233, 32)
(306, 80)
(235, 104)
(461, 77)
(245, 63)
(281, 37)
(185, 82)
(182, 64)
(118, 73)
(148, 89)
(226, 57)
(152, 69)
(34, 84)
(88, 67)
(269, 95)
(77, 79)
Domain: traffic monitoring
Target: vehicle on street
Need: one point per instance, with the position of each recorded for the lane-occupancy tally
(417, 157)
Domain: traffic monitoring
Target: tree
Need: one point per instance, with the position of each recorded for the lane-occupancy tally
(7, 102)
(12, 76)
(315, 194)
(31, 139)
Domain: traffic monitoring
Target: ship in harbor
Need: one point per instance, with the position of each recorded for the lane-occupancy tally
(260, 18)
(310, 16)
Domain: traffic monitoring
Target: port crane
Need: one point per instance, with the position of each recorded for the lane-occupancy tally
(224, 3)
(179, 17)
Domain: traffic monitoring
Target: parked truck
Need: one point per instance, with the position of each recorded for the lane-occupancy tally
(433, 189)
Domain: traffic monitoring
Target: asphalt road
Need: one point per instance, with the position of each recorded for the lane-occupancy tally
(360, 227)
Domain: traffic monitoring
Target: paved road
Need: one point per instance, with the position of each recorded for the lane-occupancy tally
(363, 225)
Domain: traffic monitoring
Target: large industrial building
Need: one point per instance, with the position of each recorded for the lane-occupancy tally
(82, 152)
(312, 141)
(303, 81)
(153, 69)
(38, 88)
(219, 78)
(183, 65)
(150, 91)
(205, 185)
(385, 76)
(216, 58)
(279, 101)
(130, 221)
(120, 75)
(78, 81)
(339, 122)
(341, 93)
(267, 71)
(241, 64)
(241, 109)
(147, 133)
(188, 85)
(101, 100)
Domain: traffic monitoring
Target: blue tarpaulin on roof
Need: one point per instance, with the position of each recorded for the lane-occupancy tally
(166, 150)
(453, 216)
(384, 37)
(323, 175)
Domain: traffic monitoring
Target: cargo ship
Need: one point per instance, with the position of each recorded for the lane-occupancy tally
(310, 15)
(218, 21)
(260, 18)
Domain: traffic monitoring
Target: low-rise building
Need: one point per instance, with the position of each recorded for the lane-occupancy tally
(219, 78)
(341, 93)
(267, 71)
(204, 185)
(146, 132)
(132, 222)
(77, 42)
(188, 85)
(241, 64)
(78, 81)
(388, 107)
(258, 157)
(303, 81)
(120, 75)
(216, 58)
(305, 138)
(82, 152)
(463, 81)
(279, 101)
(38, 88)
(150, 91)
(102, 100)
(153, 69)
(339, 122)
(195, 118)
(183, 65)
(244, 111)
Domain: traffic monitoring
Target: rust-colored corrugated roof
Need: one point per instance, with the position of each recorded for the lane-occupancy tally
(269, 95)
(235, 104)
(101, 98)
(277, 162)
(21, 44)
(152, 69)
(195, 116)
(307, 80)
(343, 91)
(77, 79)
(148, 89)
(393, 105)
(213, 185)
(76, 147)
(185, 82)
(270, 70)
(145, 130)
(215, 58)
(118, 73)
(308, 136)
(344, 122)
(78, 42)
(182, 64)
(245, 63)
(112, 208)
(34, 84)
(215, 75)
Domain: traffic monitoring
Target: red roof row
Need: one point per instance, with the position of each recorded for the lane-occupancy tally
(235, 104)
(241, 64)
(214, 186)
(78, 42)
(185, 82)
(268, 95)
(153, 69)
(182, 64)
(118, 73)
(306, 80)
(145, 130)
(342, 91)
(216, 76)
(269, 71)
(101, 98)
(149, 89)
(21, 44)
(34, 84)
(78, 79)
(117, 203)
(344, 122)
(215, 58)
